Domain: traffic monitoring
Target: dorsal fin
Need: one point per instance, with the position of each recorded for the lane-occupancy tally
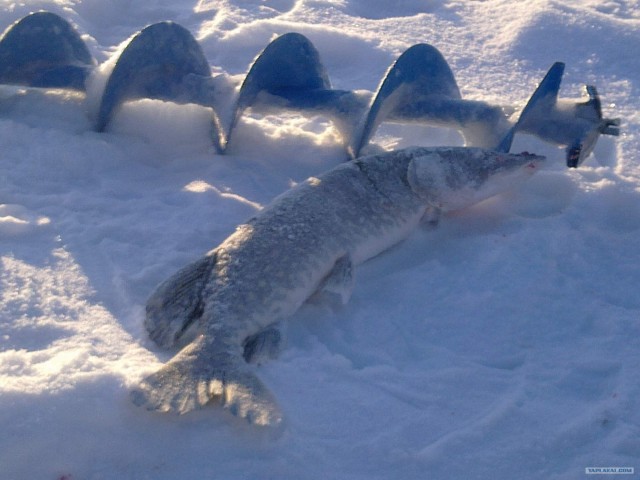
(177, 302)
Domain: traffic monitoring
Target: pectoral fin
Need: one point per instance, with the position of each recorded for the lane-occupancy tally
(337, 286)
(263, 346)
(431, 217)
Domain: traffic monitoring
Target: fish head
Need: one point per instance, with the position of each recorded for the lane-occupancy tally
(458, 177)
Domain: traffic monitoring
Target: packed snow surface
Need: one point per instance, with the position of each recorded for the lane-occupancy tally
(503, 344)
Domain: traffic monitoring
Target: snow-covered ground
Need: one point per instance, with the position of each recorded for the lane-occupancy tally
(503, 344)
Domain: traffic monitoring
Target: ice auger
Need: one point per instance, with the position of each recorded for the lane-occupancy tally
(165, 62)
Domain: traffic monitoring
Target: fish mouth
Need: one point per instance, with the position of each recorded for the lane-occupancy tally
(533, 165)
(532, 160)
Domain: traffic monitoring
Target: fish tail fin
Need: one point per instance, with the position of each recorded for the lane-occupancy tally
(198, 376)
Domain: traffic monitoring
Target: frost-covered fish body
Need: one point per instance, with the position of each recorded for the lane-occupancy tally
(307, 240)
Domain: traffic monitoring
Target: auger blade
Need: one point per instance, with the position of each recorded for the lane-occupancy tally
(289, 75)
(290, 62)
(420, 88)
(539, 106)
(287, 72)
(43, 50)
(420, 73)
(162, 62)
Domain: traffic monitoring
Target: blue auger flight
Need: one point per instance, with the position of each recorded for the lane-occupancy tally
(164, 62)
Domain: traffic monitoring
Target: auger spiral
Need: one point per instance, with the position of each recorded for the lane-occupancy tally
(164, 62)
